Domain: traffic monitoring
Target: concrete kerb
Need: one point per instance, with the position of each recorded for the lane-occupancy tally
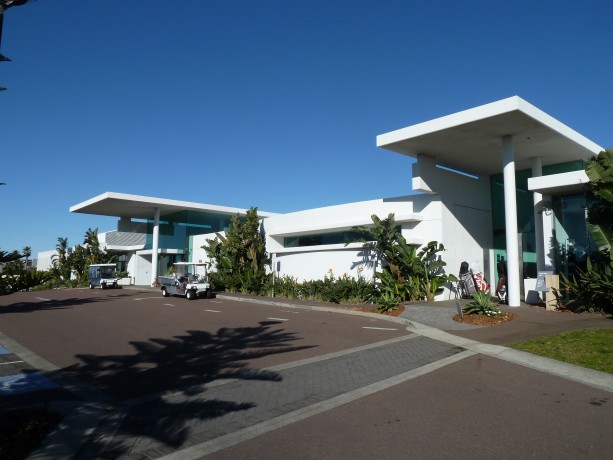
(73, 432)
(593, 378)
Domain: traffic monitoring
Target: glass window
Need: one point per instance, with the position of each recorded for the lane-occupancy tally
(319, 239)
(525, 214)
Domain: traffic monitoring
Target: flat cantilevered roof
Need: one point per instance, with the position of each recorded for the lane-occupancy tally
(470, 141)
(142, 207)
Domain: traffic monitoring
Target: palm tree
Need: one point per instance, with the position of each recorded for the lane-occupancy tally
(9, 256)
(60, 260)
(62, 249)
(92, 244)
(5, 5)
(27, 252)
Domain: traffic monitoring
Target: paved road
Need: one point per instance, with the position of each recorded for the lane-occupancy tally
(141, 376)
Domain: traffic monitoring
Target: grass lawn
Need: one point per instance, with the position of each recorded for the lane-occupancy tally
(588, 348)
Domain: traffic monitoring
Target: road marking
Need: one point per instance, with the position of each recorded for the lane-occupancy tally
(146, 298)
(43, 299)
(168, 304)
(25, 383)
(278, 319)
(12, 362)
(215, 301)
(380, 328)
(213, 311)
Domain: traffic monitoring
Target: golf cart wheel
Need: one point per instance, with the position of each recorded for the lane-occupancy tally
(164, 292)
(209, 294)
(102, 285)
(91, 285)
(115, 285)
(190, 295)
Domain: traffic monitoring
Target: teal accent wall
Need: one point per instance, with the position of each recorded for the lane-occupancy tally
(176, 230)
(525, 214)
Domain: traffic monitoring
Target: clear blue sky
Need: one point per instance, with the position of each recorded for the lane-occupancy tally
(274, 104)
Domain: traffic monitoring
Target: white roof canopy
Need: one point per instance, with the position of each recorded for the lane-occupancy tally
(470, 141)
(142, 207)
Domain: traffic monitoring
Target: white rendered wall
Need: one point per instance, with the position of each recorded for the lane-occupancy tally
(45, 261)
(418, 215)
(131, 266)
(457, 213)
(317, 265)
(199, 254)
(142, 270)
(465, 218)
(335, 218)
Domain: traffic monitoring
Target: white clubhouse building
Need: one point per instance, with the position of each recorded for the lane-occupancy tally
(503, 181)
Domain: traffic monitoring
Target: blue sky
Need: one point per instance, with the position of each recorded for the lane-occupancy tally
(273, 104)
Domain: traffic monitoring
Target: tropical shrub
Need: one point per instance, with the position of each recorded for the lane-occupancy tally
(240, 256)
(599, 170)
(589, 290)
(15, 278)
(406, 275)
(482, 304)
(343, 289)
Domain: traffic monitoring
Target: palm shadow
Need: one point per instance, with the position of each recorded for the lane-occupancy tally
(54, 304)
(180, 367)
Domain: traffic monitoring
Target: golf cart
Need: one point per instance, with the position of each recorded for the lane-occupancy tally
(103, 276)
(187, 281)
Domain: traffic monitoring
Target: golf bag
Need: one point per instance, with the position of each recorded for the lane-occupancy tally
(466, 282)
(502, 286)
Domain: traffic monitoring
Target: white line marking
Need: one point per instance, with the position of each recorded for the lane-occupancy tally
(43, 299)
(278, 319)
(215, 301)
(380, 328)
(12, 362)
(168, 304)
(146, 298)
(208, 447)
(213, 311)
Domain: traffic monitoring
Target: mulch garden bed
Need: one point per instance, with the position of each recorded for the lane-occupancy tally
(483, 320)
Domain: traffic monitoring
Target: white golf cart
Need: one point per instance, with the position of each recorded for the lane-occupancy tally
(189, 280)
(103, 276)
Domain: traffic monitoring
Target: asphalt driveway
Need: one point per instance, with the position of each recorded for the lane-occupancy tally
(142, 376)
(127, 343)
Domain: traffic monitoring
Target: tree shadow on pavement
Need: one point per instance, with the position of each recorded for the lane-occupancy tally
(53, 304)
(162, 384)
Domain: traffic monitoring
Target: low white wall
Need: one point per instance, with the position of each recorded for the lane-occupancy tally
(316, 265)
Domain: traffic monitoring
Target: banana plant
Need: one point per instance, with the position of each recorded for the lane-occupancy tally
(599, 170)
(433, 276)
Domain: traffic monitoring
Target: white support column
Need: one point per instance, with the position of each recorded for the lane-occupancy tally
(155, 246)
(537, 171)
(510, 214)
(549, 243)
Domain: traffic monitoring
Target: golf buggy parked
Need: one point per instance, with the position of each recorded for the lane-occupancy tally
(186, 281)
(103, 276)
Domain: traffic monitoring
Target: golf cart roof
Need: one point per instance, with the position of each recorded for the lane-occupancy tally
(200, 264)
(103, 265)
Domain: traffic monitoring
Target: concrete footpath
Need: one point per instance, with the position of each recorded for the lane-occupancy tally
(429, 393)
